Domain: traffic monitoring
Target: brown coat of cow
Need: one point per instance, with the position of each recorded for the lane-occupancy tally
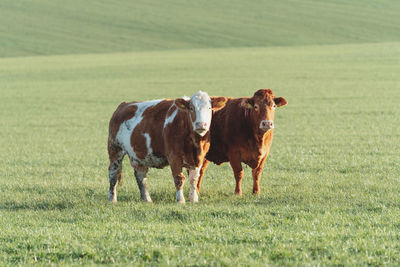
(242, 132)
(160, 133)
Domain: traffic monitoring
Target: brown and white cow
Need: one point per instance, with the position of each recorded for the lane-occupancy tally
(159, 133)
(242, 132)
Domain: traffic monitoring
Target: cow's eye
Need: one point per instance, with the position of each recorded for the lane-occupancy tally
(256, 107)
(273, 106)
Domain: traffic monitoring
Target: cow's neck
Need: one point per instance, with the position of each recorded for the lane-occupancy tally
(199, 146)
(261, 136)
(197, 139)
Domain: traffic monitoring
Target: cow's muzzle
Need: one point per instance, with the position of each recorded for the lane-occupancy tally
(201, 128)
(266, 125)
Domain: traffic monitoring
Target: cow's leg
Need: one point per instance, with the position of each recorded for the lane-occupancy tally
(114, 171)
(141, 179)
(202, 170)
(237, 172)
(256, 176)
(179, 180)
(194, 174)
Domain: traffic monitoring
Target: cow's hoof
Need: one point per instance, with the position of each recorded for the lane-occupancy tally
(194, 198)
(147, 200)
(179, 197)
(112, 198)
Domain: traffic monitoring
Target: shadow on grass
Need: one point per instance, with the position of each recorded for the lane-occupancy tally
(158, 195)
(36, 205)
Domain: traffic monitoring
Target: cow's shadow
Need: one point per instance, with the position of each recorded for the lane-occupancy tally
(45, 205)
(157, 196)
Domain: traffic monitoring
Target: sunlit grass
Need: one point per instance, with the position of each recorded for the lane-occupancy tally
(329, 189)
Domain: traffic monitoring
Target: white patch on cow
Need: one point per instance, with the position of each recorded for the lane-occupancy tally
(148, 142)
(202, 106)
(152, 160)
(194, 178)
(179, 196)
(123, 136)
(171, 117)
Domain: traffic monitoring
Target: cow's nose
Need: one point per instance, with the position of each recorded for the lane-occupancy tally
(201, 125)
(267, 125)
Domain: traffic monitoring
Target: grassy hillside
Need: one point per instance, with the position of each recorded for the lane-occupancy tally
(330, 187)
(45, 27)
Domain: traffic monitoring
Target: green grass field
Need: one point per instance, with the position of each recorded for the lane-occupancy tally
(330, 189)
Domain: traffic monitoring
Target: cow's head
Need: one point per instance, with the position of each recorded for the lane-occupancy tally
(261, 109)
(200, 107)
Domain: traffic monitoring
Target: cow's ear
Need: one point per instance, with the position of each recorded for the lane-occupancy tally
(247, 103)
(182, 103)
(218, 102)
(280, 101)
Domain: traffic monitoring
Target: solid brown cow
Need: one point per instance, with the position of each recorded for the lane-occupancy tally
(242, 132)
(159, 133)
